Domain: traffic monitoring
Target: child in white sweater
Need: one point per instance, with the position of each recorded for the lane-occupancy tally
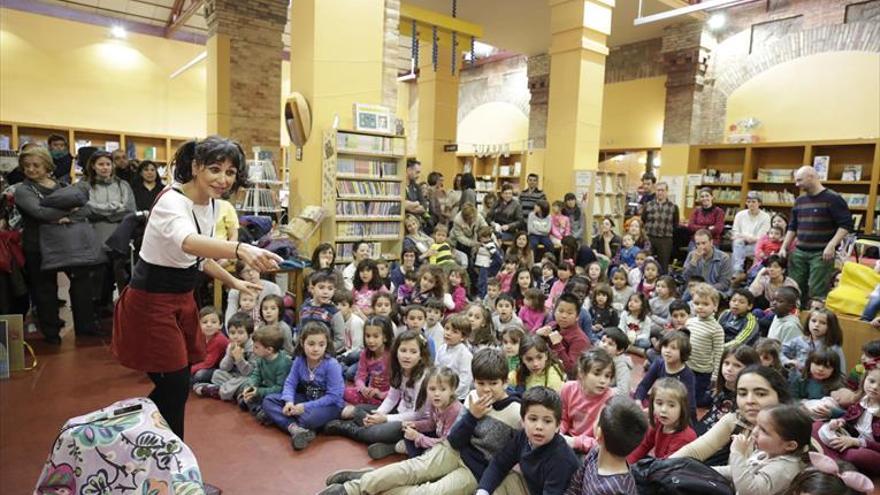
(455, 354)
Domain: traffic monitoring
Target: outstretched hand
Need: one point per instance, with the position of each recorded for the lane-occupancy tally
(247, 287)
(258, 259)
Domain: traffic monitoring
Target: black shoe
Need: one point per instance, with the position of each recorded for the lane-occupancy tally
(52, 340)
(380, 450)
(300, 438)
(343, 475)
(342, 428)
(336, 489)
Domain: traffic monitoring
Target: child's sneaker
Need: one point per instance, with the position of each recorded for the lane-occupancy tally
(400, 447)
(212, 391)
(343, 475)
(300, 437)
(199, 389)
(243, 405)
(263, 418)
(380, 450)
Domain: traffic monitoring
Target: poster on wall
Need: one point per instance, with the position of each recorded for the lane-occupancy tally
(582, 181)
(676, 188)
(693, 184)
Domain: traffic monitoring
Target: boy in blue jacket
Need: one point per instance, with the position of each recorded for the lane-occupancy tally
(545, 459)
(490, 420)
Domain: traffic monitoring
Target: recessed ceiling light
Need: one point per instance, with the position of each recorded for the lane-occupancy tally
(118, 32)
(717, 21)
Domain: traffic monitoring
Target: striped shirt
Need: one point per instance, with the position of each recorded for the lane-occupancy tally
(444, 254)
(707, 344)
(816, 219)
(588, 481)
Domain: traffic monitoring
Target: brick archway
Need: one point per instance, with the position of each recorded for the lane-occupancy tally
(731, 65)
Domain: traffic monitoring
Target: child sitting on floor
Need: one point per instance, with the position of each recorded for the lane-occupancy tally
(621, 427)
(584, 398)
(670, 420)
(267, 377)
(236, 365)
(438, 396)
(215, 342)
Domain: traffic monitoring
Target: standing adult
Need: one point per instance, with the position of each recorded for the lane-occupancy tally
(360, 251)
(748, 226)
(453, 197)
(660, 217)
(709, 262)
(110, 200)
(530, 196)
(156, 323)
(39, 182)
(820, 219)
(575, 214)
(468, 191)
(707, 216)
(147, 186)
(507, 216)
(606, 243)
(60, 152)
(415, 200)
(649, 190)
(122, 165)
(436, 199)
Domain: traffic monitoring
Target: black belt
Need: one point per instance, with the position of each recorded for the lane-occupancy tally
(155, 278)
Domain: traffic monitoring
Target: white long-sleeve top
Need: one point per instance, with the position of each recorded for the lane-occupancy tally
(752, 226)
(458, 357)
(404, 399)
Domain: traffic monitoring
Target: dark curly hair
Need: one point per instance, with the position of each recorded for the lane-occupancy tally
(209, 151)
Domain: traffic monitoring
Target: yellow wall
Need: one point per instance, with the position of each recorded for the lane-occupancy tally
(54, 71)
(632, 114)
(833, 95)
(493, 123)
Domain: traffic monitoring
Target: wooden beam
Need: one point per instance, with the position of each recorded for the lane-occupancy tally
(179, 16)
(444, 22)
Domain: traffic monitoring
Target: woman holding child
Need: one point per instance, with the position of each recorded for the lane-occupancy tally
(156, 321)
(757, 388)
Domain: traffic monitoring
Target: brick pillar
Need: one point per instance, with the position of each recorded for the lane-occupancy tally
(684, 54)
(391, 54)
(244, 69)
(538, 71)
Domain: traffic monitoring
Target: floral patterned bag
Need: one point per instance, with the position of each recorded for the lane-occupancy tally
(130, 453)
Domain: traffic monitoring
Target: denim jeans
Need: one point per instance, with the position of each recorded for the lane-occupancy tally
(741, 250)
(873, 305)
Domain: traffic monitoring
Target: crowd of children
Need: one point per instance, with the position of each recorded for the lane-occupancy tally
(533, 364)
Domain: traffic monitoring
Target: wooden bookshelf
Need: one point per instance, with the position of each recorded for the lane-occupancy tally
(606, 197)
(363, 192)
(492, 172)
(155, 147)
(769, 169)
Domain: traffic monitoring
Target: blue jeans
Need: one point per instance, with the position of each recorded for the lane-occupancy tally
(873, 305)
(741, 250)
(702, 392)
(313, 419)
(545, 240)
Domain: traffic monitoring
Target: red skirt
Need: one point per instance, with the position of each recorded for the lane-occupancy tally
(157, 332)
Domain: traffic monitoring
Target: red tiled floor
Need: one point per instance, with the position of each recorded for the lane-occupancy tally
(234, 451)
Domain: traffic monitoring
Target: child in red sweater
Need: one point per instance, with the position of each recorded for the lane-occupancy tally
(583, 400)
(567, 339)
(668, 414)
(209, 320)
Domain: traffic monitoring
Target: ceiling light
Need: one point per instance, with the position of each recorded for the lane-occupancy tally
(118, 32)
(717, 21)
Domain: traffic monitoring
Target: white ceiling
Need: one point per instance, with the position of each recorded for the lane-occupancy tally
(521, 26)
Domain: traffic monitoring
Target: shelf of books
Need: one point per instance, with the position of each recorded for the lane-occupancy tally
(363, 192)
(606, 197)
(140, 146)
(850, 167)
(492, 172)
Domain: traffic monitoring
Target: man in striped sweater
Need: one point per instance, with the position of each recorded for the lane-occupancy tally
(529, 196)
(820, 219)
